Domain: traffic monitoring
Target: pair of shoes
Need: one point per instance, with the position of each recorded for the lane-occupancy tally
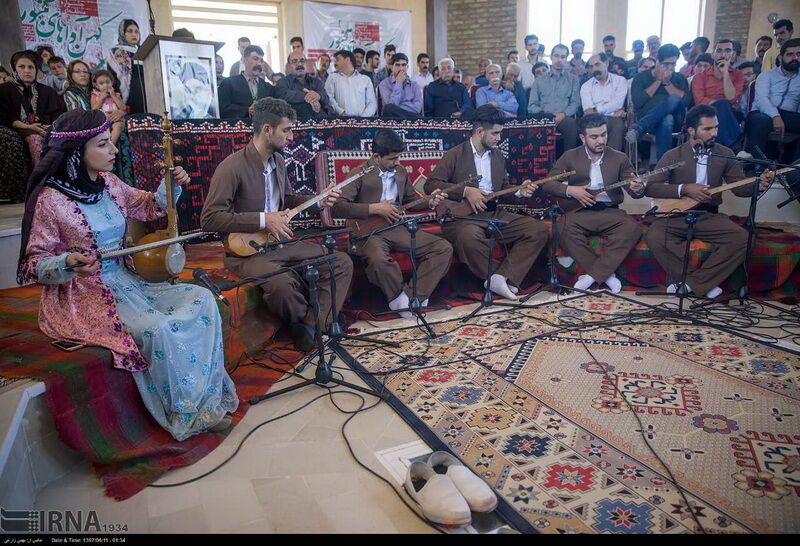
(614, 284)
(223, 424)
(584, 282)
(447, 491)
(303, 336)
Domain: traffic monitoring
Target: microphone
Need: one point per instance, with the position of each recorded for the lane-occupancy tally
(698, 151)
(201, 277)
(651, 212)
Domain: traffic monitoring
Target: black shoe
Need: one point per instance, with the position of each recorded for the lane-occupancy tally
(303, 336)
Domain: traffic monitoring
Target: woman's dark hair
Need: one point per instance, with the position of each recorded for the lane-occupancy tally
(27, 54)
(96, 75)
(387, 142)
(47, 48)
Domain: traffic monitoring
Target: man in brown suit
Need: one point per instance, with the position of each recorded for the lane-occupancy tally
(700, 172)
(248, 193)
(523, 236)
(596, 166)
(375, 194)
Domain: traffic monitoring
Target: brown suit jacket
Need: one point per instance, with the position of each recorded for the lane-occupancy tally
(359, 194)
(720, 171)
(458, 164)
(615, 167)
(237, 196)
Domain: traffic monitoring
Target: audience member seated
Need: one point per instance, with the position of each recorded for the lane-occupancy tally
(698, 47)
(558, 93)
(762, 46)
(305, 93)
(323, 64)
(445, 97)
(513, 56)
(495, 94)
(58, 71)
(609, 44)
(481, 78)
(350, 93)
(737, 52)
(749, 71)
(401, 96)
(777, 100)
(43, 76)
(526, 65)
(511, 82)
(703, 62)
(371, 62)
(237, 93)
(540, 70)
(660, 99)
(388, 52)
(79, 86)
(618, 67)
(28, 106)
(782, 30)
(653, 44)
(577, 66)
(632, 66)
(605, 94)
(219, 68)
(423, 76)
(359, 53)
(107, 100)
(721, 86)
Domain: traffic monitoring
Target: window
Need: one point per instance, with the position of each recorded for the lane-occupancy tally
(227, 21)
(561, 21)
(675, 21)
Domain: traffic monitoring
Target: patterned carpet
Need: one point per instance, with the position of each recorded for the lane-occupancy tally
(519, 399)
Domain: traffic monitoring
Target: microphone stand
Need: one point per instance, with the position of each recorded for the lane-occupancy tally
(690, 217)
(552, 213)
(324, 373)
(414, 305)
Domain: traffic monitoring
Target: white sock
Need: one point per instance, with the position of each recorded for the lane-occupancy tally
(499, 286)
(401, 302)
(584, 282)
(614, 283)
(672, 289)
(714, 292)
(425, 303)
(514, 289)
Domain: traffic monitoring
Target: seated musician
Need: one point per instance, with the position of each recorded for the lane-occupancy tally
(168, 336)
(249, 192)
(524, 237)
(700, 173)
(596, 166)
(376, 194)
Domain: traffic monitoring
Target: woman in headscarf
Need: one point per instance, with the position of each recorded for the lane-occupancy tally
(120, 56)
(79, 86)
(168, 336)
(26, 105)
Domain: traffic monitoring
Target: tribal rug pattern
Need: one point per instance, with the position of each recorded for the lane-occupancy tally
(522, 402)
(529, 147)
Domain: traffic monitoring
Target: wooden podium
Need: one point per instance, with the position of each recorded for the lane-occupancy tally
(180, 77)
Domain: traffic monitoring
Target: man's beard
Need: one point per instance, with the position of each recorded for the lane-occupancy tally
(792, 66)
(486, 144)
(597, 149)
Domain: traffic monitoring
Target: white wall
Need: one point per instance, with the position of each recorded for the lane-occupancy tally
(759, 26)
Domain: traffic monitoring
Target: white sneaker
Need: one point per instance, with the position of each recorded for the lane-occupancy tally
(401, 302)
(614, 283)
(499, 286)
(437, 496)
(714, 292)
(476, 492)
(583, 282)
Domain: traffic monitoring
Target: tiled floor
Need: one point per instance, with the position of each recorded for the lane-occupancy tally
(294, 475)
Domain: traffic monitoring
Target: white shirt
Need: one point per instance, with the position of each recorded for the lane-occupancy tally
(422, 79)
(526, 74)
(596, 177)
(353, 94)
(606, 99)
(272, 194)
(389, 186)
(701, 172)
(483, 166)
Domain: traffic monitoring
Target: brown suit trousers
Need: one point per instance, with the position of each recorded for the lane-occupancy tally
(433, 257)
(284, 294)
(524, 238)
(666, 238)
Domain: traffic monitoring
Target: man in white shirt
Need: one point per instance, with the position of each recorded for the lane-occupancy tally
(526, 65)
(605, 94)
(423, 76)
(350, 93)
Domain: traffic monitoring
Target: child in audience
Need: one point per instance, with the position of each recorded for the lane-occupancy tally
(105, 98)
(58, 69)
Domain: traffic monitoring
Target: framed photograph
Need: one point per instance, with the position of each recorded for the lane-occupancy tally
(189, 80)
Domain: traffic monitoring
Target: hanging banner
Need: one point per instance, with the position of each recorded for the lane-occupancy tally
(331, 27)
(80, 29)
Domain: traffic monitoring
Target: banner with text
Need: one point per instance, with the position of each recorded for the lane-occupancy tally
(80, 29)
(331, 27)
